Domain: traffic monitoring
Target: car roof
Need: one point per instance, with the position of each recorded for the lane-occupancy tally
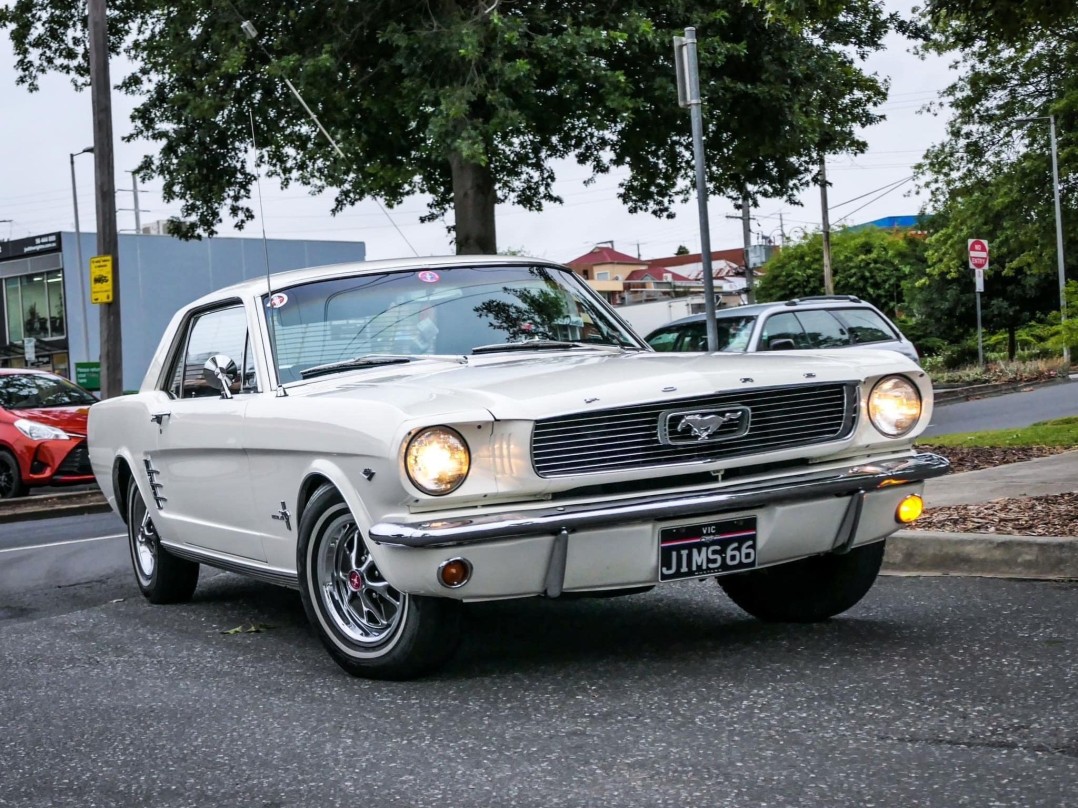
(754, 309)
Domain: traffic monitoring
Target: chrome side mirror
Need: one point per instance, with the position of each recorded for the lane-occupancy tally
(220, 373)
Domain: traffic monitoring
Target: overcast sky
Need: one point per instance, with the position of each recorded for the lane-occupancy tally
(40, 131)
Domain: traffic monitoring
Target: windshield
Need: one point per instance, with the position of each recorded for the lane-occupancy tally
(31, 391)
(450, 310)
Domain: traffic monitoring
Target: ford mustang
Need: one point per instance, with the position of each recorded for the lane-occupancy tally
(393, 439)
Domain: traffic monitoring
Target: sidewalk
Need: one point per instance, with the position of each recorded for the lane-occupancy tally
(912, 552)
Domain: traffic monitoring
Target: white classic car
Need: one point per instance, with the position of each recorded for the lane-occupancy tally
(395, 438)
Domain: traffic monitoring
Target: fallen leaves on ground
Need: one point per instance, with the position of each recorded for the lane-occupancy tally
(1053, 515)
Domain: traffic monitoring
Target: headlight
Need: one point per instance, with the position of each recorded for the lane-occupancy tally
(894, 405)
(36, 431)
(437, 460)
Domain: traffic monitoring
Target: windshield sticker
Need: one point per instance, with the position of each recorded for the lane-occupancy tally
(429, 276)
(277, 300)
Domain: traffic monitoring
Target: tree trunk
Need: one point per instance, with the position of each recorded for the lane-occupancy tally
(1012, 342)
(473, 206)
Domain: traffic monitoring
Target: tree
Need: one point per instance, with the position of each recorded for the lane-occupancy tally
(469, 101)
(871, 263)
(992, 177)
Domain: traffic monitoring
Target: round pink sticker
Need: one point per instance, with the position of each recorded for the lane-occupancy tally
(429, 276)
(278, 300)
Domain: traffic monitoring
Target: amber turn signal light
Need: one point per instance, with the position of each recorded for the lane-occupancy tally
(909, 509)
(454, 573)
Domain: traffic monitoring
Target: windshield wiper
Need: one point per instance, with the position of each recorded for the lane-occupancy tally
(368, 361)
(542, 345)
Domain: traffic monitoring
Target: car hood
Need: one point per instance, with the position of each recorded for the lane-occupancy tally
(548, 385)
(69, 419)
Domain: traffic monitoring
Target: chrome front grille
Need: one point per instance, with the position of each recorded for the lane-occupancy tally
(640, 436)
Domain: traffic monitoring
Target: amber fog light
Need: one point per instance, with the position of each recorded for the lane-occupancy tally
(909, 509)
(454, 573)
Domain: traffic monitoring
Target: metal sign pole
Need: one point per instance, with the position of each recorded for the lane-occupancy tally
(688, 84)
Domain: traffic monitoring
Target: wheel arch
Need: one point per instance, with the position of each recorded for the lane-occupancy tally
(121, 480)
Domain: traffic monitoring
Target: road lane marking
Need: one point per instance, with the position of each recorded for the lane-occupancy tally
(62, 543)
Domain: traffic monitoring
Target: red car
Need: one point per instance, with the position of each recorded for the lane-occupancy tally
(42, 431)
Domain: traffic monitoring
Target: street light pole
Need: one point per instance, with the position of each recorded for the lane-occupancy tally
(1059, 228)
(81, 272)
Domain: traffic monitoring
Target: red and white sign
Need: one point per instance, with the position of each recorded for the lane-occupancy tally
(978, 253)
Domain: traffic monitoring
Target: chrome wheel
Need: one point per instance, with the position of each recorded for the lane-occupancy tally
(145, 546)
(355, 597)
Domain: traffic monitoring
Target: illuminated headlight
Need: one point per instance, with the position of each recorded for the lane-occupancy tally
(894, 405)
(437, 460)
(36, 431)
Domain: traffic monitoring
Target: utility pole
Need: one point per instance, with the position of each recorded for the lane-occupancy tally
(746, 233)
(828, 281)
(105, 189)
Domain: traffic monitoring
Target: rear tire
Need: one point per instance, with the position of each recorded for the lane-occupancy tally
(11, 484)
(161, 576)
(808, 590)
(369, 628)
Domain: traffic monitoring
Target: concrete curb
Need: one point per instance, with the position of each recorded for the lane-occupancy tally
(50, 506)
(916, 552)
(950, 395)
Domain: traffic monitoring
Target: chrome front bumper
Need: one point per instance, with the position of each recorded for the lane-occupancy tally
(561, 520)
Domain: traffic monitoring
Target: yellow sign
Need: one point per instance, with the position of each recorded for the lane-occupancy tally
(101, 279)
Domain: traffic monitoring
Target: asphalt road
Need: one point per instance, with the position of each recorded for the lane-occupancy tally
(1003, 412)
(932, 692)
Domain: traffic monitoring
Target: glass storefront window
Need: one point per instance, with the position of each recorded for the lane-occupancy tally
(34, 306)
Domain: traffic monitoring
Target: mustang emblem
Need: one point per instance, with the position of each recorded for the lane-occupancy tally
(703, 426)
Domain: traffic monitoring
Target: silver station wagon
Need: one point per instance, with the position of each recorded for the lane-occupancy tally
(396, 438)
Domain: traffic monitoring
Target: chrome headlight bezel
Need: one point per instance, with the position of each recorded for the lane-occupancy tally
(38, 431)
(437, 460)
(895, 406)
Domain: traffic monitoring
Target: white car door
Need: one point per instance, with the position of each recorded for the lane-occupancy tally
(200, 463)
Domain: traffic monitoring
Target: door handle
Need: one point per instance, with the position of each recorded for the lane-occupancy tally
(159, 417)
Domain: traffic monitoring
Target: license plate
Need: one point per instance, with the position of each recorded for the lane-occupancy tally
(711, 548)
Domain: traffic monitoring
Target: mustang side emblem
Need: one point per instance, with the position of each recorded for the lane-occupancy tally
(691, 427)
(703, 426)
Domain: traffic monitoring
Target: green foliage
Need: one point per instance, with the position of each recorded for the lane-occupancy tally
(992, 177)
(464, 98)
(870, 263)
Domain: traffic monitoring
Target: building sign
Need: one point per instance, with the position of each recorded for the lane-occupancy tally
(101, 279)
(88, 375)
(35, 245)
(29, 349)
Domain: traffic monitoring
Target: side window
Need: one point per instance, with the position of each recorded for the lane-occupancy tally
(693, 338)
(782, 326)
(221, 331)
(664, 340)
(822, 330)
(866, 325)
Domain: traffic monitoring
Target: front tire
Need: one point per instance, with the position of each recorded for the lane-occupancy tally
(809, 590)
(369, 628)
(161, 576)
(11, 484)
